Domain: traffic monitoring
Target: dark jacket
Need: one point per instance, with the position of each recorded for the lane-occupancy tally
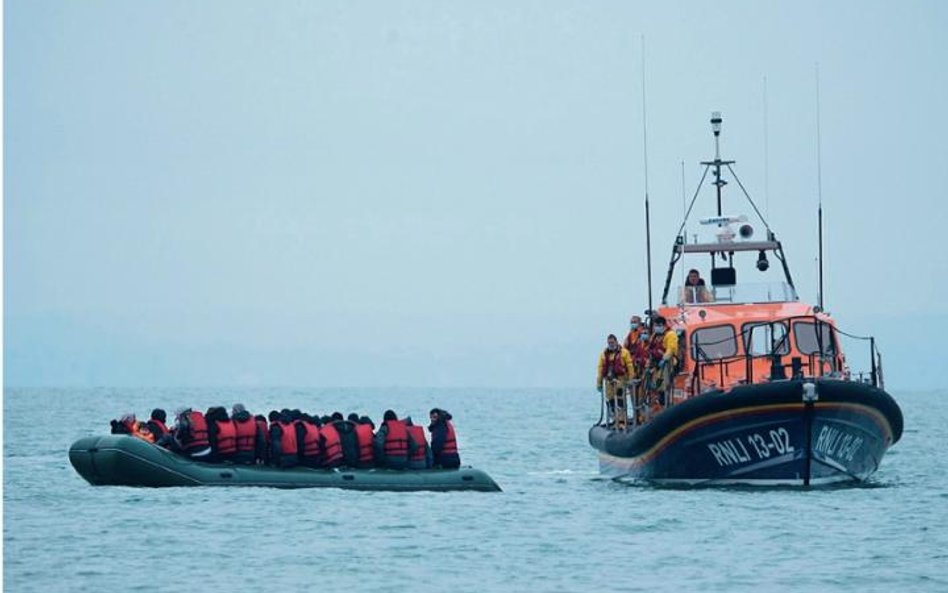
(439, 437)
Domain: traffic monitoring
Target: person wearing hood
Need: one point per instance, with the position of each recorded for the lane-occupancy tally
(444, 443)
(308, 439)
(246, 435)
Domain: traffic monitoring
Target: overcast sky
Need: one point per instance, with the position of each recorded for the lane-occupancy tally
(444, 193)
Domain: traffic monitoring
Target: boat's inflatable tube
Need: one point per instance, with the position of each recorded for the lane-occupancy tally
(120, 460)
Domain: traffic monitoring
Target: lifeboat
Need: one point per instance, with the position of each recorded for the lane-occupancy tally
(121, 460)
(760, 392)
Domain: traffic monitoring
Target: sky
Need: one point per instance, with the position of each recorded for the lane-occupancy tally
(445, 193)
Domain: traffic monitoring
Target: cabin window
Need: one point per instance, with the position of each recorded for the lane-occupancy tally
(764, 339)
(711, 343)
(804, 332)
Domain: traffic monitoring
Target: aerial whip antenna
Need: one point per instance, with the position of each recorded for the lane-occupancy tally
(648, 229)
(819, 184)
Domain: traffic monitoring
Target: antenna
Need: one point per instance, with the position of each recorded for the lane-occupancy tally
(684, 215)
(766, 156)
(819, 183)
(648, 229)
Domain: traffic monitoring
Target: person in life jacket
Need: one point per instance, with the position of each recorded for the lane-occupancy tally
(666, 342)
(349, 440)
(129, 425)
(284, 451)
(391, 442)
(156, 424)
(419, 453)
(221, 434)
(247, 435)
(615, 372)
(308, 439)
(262, 453)
(331, 443)
(190, 435)
(444, 442)
(635, 329)
(365, 435)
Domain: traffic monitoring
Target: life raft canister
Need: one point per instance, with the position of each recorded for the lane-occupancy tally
(226, 437)
(332, 445)
(365, 436)
(246, 435)
(418, 435)
(199, 439)
(396, 441)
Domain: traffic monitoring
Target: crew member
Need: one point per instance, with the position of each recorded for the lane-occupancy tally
(668, 363)
(635, 329)
(615, 372)
(694, 290)
(444, 443)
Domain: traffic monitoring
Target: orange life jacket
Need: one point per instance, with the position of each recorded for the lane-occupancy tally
(246, 435)
(450, 441)
(288, 445)
(141, 430)
(310, 445)
(364, 436)
(199, 439)
(226, 437)
(332, 445)
(418, 435)
(396, 440)
(162, 429)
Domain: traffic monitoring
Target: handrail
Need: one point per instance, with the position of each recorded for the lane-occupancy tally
(826, 353)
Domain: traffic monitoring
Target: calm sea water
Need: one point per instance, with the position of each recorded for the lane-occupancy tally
(556, 527)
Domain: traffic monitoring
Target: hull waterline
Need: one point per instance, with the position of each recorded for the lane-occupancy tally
(759, 435)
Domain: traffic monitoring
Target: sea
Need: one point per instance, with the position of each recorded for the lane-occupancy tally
(557, 525)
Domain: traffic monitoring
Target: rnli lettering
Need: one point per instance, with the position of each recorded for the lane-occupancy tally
(751, 447)
(837, 443)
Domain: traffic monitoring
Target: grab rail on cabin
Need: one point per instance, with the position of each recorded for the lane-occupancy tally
(826, 359)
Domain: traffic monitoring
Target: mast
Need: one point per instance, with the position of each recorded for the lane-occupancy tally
(717, 162)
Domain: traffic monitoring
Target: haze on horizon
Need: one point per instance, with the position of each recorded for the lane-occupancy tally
(443, 194)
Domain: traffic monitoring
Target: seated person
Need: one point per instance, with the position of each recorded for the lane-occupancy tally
(694, 290)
